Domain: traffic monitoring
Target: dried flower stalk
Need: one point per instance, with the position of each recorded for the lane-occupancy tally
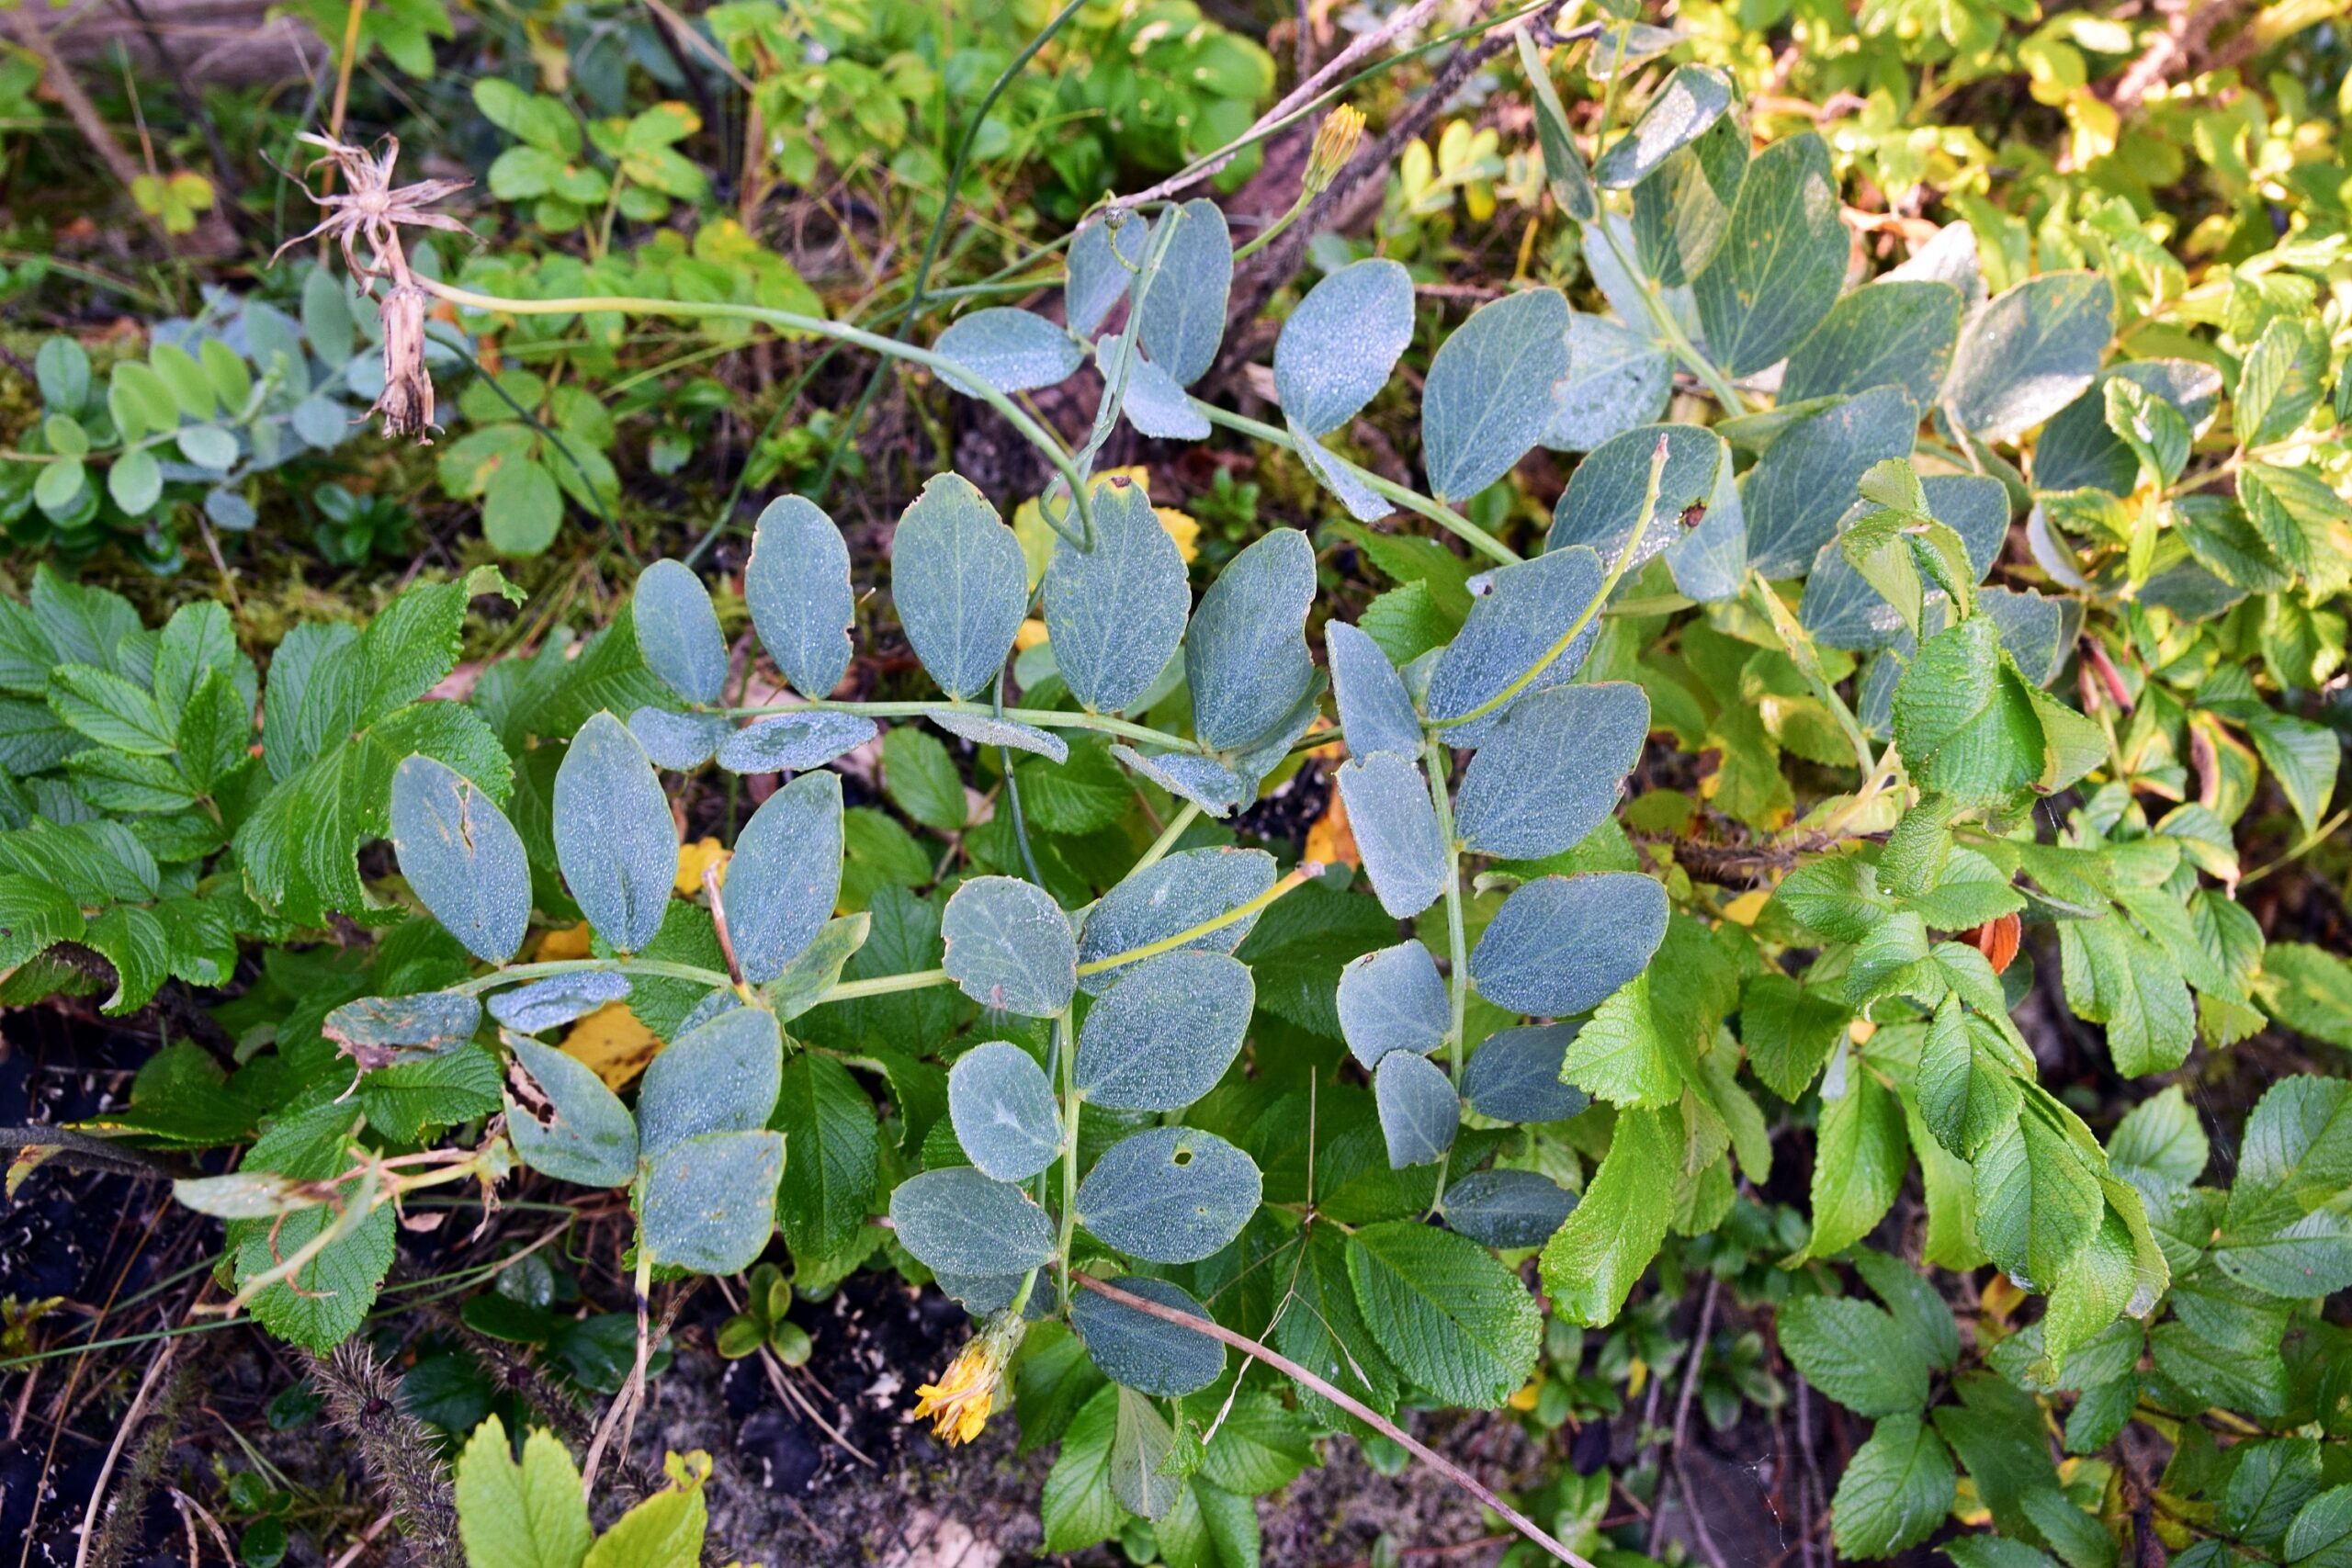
(371, 211)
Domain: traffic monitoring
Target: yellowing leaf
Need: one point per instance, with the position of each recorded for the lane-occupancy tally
(694, 859)
(570, 941)
(611, 1043)
(1032, 633)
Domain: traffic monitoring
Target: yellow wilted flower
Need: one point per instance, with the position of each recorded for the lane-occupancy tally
(959, 1405)
(1335, 144)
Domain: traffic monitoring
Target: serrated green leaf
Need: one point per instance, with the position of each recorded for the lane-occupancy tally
(1448, 1314)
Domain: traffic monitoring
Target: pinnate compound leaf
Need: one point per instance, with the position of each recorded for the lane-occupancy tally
(1115, 613)
(614, 837)
(1781, 261)
(1246, 655)
(708, 1201)
(1863, 1151)
(796, 584)
(1142, 1352)
(784, 876)
(1897, 1488)
(1164, 1035)
(1562, 945)
(1010, 947)
(1338, 345)
(461, 857)
(2028, 352)
(1450, 1317)
(1508, 1208)
(1008, 349)
(960, 582)
(1593, 1260)
(1003, 1111)
(1395, 828)
(1183, 308)
(795, 742)
(1489, 392)
(1393, 1001)
(677, 631)
(1168, 1195)
(1552, 771)
(1420, 1112)
(576, 1130)
(1855, 1353)
(530, 1515)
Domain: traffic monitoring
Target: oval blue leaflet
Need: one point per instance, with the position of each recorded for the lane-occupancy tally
(960, 582)
(1551, 773)
(461, 856)
(1489, 391)
(1515, 1076)
(1186, 889)
(720, 1077)
(1168, 1195)
(1338, 345)
(1562, 945)
(560, 999)
(1508, 1208)
(1115, 613)
(1246, 657)
(1139, 1351)
(1395, 828)
(1183, 308)
(1003, 1111)
(1419, 1112)
(677, 631)
(613, 838)
(796, 584)
(1393, 1001)
(785, 874)
(571, 1127)
(958, 1221)
(1008, 349)
(1008, 946)
(795, 742)
(1164, 1035)
(1376, 712)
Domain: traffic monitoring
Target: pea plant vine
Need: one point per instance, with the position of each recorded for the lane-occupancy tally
(1115, 1169)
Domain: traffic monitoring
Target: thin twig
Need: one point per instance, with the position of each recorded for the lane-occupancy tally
(1345, 1401)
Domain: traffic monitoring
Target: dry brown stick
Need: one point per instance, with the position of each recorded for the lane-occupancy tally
(1345, 1400)
(1282, 258)
(1681, 1432)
